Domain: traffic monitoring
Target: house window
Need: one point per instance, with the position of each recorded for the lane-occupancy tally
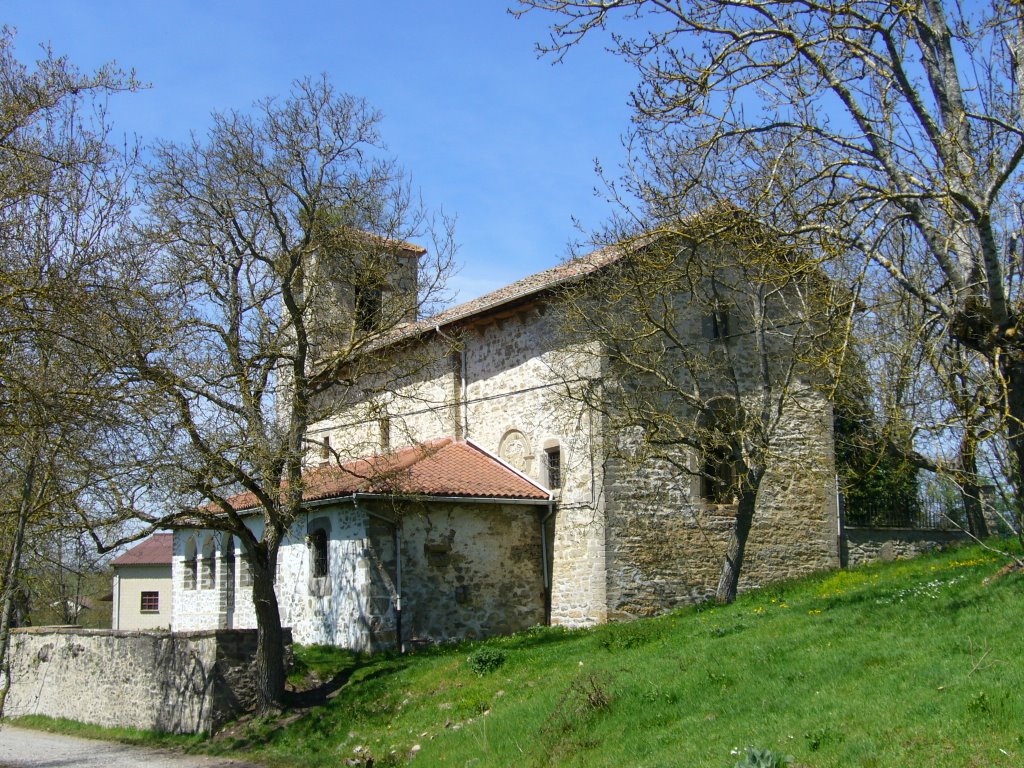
(325, 448)
(150, 602)
(369, 307)
(318, 547)
(553, 459)
(715, 326)
(718, 476)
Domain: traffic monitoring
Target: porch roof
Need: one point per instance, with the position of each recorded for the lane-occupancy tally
(444, 467)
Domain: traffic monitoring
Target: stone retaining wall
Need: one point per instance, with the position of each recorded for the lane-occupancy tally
(868, 545)
(154, 680)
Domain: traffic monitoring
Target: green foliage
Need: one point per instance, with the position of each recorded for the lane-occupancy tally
(315, 664)
(763, 758)
(875, 477)
(485, 660)
(809, 667)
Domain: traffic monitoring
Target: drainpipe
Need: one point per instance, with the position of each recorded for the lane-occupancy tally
(396, 540)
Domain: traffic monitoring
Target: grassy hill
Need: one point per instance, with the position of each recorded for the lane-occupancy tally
(915, 663)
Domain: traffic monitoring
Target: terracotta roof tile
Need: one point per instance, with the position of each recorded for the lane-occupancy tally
(441, 467)
(156, 550)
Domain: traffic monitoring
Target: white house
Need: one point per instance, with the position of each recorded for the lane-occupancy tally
(142, 585)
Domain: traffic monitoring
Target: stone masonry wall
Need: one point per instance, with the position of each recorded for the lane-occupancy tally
(666, 546)
(182, 683)
(516, 409)
(512, 407)
(323, 613)
(868, 545)
(469, 570)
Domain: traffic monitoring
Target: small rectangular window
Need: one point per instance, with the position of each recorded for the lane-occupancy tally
(150, 602)
(318, 543)
(554, 462)
(325, 448)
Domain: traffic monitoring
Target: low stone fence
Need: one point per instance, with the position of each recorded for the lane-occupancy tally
(183, 682)
(867, 545)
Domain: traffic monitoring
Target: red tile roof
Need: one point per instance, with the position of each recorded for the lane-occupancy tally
(441, 467)
(156, 550)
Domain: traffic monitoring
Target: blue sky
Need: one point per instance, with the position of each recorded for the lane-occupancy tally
(488, 132)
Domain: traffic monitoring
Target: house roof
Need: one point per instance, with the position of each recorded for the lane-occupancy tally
(156, 550)
(507, 297)
(442, 467)
(528, 286)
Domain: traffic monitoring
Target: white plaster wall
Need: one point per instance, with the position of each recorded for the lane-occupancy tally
(315, 618)
(131, 581)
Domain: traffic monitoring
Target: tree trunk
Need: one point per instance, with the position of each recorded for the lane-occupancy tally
(728, 581)
(1013, 374)
(970, 488)
(270, 672)
(11, 575)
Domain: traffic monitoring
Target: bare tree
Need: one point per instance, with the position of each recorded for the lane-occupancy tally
(713, 336)
(63, 196)
(279, 264)
(903, 123)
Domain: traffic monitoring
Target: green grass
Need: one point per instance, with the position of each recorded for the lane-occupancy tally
(915, 663)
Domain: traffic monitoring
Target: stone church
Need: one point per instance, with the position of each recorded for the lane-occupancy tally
(470, 497)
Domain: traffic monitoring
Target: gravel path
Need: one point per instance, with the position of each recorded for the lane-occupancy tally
(24, 748)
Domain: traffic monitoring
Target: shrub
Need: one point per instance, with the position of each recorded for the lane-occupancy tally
(763, 758)
(485, 660)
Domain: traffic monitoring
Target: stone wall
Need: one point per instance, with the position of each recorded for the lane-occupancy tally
(666, 545)
(325, 613)
(468, 570)
(502, 389)
(183, 683)
(867, 545)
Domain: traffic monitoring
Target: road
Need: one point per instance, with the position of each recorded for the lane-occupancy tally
(24, 748)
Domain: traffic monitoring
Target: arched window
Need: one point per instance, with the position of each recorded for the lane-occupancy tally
(719, 425)
(318, 553)
(318, 540)
(189, 572)
(208, 574)
(230, 553)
